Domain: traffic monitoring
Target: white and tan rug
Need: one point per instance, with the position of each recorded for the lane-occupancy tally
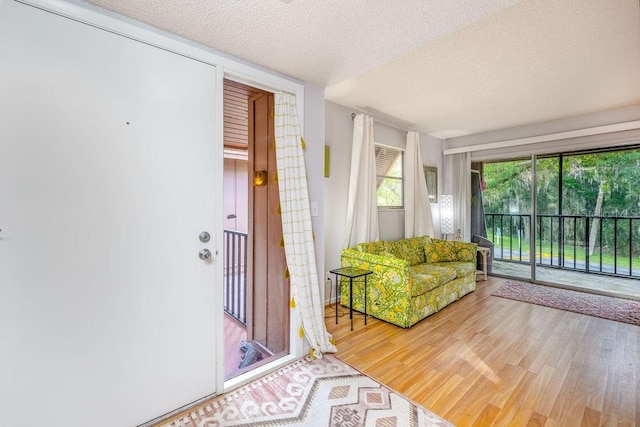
(321, 392)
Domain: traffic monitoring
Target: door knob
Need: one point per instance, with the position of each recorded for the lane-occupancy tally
(205, 254)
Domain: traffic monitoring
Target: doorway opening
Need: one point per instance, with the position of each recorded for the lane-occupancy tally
(256, 287)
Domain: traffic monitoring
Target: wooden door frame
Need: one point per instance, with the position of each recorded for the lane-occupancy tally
(270, 287)
(297, 345)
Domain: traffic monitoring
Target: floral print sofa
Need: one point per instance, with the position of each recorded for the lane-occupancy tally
(412, 278)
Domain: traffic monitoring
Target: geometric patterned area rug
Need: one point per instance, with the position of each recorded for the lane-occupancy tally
(307, 392)
(618, 309)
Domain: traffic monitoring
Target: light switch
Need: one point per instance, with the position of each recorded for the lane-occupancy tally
(314, 208)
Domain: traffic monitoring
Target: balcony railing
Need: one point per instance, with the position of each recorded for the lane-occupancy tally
(235, 275)
(591, 244)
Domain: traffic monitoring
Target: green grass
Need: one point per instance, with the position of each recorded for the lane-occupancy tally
(608, 258)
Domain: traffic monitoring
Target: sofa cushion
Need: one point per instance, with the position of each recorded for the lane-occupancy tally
(426, 277)
(465, 251)
(449, 250)
(411, 249)
(462, 268)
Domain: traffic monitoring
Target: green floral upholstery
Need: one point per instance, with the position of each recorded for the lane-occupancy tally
(411, 249)
(461, 268)
(411, 279)
(438, 250)
(428, 276)
(373, 247)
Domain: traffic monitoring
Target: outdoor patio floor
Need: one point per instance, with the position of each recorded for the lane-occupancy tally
(596, 283)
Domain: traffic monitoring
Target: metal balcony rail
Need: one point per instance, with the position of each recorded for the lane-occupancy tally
(592, 244)
(235, 275)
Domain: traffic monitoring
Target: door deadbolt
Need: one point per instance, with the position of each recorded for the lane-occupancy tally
(204, 237)
(205, 254)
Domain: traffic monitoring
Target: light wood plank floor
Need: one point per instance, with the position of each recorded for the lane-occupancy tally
(487, 361)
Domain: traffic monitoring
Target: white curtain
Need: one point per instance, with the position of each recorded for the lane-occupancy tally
(457, 170)
(362, 207)
(417, 209)
(296, 225)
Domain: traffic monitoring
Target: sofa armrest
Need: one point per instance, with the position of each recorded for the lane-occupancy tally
(391, 276)
(388, 288)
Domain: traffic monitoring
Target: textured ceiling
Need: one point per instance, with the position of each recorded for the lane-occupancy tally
(446, 67)
(534, 62)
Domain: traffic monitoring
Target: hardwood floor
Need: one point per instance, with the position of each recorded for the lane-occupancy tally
(487, 361)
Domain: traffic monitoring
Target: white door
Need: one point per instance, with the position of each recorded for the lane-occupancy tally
(108, 174)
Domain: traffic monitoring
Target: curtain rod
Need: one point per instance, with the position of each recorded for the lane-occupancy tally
(384, 123)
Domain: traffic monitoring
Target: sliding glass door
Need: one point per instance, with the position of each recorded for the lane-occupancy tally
(508, 214)
(585, 220)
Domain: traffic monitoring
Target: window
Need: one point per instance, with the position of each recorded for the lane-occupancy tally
(389, 176)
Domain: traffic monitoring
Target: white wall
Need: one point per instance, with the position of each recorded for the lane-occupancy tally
(314, 158)
(338, 136)
(339, 133)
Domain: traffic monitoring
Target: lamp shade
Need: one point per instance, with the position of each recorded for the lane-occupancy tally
(446, 214)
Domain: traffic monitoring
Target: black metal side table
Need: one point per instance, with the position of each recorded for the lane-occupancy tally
(351, 273)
